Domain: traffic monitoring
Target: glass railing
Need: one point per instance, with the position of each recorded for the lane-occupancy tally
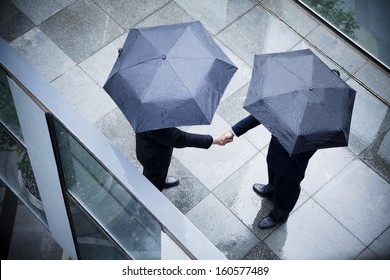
(95, 203)
(122, 219)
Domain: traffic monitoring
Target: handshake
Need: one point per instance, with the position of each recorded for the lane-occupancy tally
(223, 138)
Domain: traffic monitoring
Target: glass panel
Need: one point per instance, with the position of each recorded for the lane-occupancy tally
(91, 241)
(8, 116)
(16, 172)
(366, 22)
(15, 166)
(117, 213)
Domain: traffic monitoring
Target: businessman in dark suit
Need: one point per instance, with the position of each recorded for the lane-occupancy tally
(154, 150)
(285, 174)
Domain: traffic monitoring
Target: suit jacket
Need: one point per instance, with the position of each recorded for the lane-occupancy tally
(154, 148)
(278, 159)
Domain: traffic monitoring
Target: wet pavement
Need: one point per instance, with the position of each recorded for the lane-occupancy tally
(343, 210)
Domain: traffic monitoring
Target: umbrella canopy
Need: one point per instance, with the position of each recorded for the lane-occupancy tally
(302, 102)
(168, 76)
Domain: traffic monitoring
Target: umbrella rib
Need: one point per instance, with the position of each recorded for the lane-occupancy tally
(188, 90)
(151, 44)
(174, 45)
(291, 129)
(283, 66)
(329, 87)
(173, 69)
(127, 67)
(188, 57)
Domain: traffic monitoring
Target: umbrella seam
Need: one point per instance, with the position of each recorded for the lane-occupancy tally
(184, 30)
(152, 45)
(326, 108)
(131, 66)
(283, 66)
(278, 119)
(188, 90)
(189, 26)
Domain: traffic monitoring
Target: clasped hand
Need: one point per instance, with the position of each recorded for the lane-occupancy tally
(223, 138)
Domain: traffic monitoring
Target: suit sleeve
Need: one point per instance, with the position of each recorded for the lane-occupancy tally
(176, 138)
(244, 125)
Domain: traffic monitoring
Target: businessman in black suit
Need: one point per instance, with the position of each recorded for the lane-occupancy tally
(285, 174)
(154, 150)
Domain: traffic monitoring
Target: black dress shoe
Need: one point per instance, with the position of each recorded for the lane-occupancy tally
(269, 222)
(170, 182)
(264, 190)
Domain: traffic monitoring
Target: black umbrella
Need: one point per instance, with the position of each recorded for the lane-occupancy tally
(168, 76)
(302, 102)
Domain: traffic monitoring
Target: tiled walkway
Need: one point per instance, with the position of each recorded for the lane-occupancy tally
(344, 208)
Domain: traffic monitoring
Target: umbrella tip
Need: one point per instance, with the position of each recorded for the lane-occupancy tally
(164, 57)
(119, 51)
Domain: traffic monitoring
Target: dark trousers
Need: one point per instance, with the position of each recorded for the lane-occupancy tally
(286, 194)
(157, 179)
(157, 175)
